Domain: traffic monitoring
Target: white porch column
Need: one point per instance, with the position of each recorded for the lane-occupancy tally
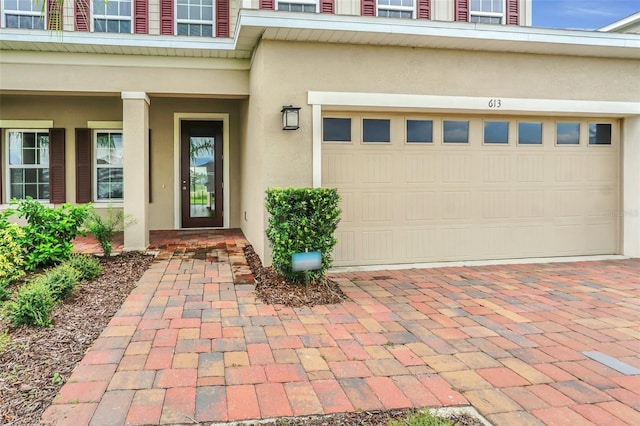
(631, 182)
(135, 135)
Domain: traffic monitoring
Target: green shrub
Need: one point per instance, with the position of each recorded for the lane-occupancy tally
(105, 227)
(62, 280)
(11, 256)
(49, 232)
(302, 219)
(31, 305)
(88, 266)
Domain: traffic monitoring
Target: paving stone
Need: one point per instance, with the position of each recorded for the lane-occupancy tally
(388, 392)
(331, 396)
(242, 402)
(179, 405)
(360, 394)
(491, 401)
(303, 399)
(560, 416)
(69, 414)
(211, 404)
(113, 408)
(146, 407)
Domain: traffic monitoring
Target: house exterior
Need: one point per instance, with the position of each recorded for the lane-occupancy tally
(452, 128)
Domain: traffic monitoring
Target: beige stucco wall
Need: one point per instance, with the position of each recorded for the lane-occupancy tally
(60, 72)
(71, 112)
(278, 80)
(252, 157)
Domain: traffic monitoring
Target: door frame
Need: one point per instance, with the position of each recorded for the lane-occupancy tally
(178, 117)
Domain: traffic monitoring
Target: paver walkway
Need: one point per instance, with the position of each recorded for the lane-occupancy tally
(193, 344)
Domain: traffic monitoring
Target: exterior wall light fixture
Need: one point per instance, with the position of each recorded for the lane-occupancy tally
(290, 117)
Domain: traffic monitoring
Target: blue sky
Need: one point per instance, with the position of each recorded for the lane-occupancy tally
(581, 14)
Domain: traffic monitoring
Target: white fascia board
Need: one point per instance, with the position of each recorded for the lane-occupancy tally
(113, 39)
(473, 104)
(622, 23)
(436, 29)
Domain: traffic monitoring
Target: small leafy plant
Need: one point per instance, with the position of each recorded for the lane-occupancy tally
(103, 228)
(31, 305)
(61, 280)
(88, 266)
(49, 232)
(302, 219)
(421, 418)
(11, 256)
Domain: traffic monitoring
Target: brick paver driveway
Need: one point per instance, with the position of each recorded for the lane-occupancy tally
(524, 344)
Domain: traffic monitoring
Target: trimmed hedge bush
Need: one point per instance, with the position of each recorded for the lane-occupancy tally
(302, 219)
(88, 266)
(32, 304)
(11, 256)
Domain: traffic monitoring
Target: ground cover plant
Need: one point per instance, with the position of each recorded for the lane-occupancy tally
(36, 361)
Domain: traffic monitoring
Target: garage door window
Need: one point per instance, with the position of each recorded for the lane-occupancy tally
(455, 131)
(419, 131)
(376, 130)
(599, 134)
(530, 133)
(336, 129)
(496, 132)
(568, 133)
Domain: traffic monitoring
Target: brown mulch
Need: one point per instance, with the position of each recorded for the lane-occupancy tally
(272, 288)
(37, 361)
(367, 418)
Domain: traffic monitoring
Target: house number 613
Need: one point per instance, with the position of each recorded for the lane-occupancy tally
(495, 103)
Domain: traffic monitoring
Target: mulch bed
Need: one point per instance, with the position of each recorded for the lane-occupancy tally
(366, 418)
(37, 361)
(272, 288)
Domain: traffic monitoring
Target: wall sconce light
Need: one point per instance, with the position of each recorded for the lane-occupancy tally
(290, 117)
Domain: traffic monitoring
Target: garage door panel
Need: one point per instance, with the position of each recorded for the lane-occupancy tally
(498, 168)
(570, 168)
(531, 168)
(421, 206)
(337, 170)
(496, 204)
(375, 168)
(456, 168)
(376, 207)
(429, 202)
(421, 169)
(602, 168)
(377, 246)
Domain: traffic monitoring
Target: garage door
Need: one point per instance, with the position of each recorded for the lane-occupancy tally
(425, 188)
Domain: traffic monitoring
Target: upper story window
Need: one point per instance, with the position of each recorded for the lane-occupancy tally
(28, 164)
(396, 8)
(112, 16)
(27, 14)
(310, 6)
(195, 17)
(486, 11)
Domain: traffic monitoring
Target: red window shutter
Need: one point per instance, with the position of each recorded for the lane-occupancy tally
(512, 12)
(141, 16)
(57, 189)
(222, 18)
(1, 160)
(424, 9)
(81, 12)
(166, 17)
(461, 11)
(368, 7)
(83, 165)
(327, 6)
(267, 4)
(54, 15)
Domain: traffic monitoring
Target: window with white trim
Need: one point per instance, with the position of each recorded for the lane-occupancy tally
(195, 17)
(486, 11)
(396, 8)
(27, 154)
(27, 14)
(310, 6)
(108, 165)
(112, 16)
